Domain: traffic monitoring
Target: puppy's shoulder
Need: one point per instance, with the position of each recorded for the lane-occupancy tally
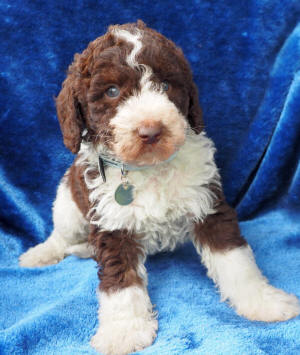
(74, 179)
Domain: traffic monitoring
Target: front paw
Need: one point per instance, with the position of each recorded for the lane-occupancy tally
(41, 255)
(120, 337)
(269, 304)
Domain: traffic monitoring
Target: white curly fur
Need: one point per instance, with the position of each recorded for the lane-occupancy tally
(68, 237)
(127, 321)
(247, 290)
(168, 198)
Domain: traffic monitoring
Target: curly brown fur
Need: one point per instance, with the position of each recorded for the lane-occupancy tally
(117, 254)
(220, 231)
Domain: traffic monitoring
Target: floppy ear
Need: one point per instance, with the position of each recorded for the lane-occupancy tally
(69, 114)
(71, 103)
(195, 112)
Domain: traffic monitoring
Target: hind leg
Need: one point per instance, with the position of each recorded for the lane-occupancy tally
(69, 235)
(231, 264)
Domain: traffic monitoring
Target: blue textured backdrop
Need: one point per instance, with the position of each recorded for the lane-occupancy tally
(245, 56)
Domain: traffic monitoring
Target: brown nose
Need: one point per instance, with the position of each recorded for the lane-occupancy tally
(149, 135)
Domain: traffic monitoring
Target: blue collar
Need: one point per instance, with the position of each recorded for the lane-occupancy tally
(108, 160)
(111, 161)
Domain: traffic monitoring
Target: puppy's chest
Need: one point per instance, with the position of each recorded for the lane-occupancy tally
(167, 199)
(159, 213)
(162, 194)
(157, 199)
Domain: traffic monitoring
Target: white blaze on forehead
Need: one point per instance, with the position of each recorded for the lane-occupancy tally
(135, 40)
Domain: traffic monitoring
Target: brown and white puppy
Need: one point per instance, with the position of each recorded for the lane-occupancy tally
(130, 96)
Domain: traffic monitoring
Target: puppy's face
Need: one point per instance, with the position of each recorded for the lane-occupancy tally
(131, 90)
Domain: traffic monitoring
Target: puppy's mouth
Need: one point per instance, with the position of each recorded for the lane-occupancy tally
(148, 145)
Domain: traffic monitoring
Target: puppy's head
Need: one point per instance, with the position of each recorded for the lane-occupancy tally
(131, 91)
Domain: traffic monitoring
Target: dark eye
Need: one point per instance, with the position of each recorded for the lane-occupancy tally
(112, 91)
(165, 86)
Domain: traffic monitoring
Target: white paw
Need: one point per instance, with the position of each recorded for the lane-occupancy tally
(124, 336)
(41, 255)
(127, 321)
(269, 304)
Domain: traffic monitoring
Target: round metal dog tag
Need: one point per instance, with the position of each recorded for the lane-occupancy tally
(124, 194)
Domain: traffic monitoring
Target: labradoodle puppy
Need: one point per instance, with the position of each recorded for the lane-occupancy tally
(144, 180)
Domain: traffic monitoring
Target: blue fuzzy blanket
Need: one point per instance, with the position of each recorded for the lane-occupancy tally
(246, 60)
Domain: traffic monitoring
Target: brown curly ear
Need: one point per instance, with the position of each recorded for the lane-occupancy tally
(69, 115)
(195, 112)
(71, 103)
